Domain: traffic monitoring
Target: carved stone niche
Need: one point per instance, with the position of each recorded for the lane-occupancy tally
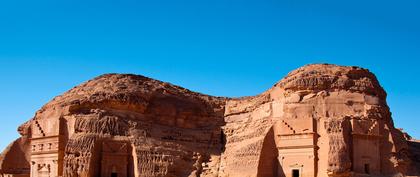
(338, 132)
(366, 148)
(117, 160)
(46, 154)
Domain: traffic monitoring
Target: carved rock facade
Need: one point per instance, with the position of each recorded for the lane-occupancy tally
(320, 120)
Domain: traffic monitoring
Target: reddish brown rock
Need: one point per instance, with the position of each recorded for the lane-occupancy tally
(320, 120)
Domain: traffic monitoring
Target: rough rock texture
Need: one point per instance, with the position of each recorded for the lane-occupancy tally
(320, 120)
(414, 155)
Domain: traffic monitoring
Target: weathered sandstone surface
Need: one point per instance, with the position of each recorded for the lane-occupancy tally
(320, 120)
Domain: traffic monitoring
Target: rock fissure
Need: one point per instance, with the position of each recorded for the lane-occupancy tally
(320, 120)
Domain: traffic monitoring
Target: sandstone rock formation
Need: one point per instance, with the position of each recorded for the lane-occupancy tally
(320, 120)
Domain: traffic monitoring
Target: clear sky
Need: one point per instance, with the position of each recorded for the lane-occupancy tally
(217, 47)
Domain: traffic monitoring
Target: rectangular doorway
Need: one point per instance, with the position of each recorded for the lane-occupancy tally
(295, 173)
(367, 169)
(114, 174)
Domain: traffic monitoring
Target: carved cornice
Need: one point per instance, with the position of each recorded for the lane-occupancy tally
(299, 147)
(46, 137)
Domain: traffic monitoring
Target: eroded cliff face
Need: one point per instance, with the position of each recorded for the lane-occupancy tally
(320, 120)
(164, 130)
(325, 120)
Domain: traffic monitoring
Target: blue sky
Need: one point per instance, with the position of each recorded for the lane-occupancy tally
(217, 47)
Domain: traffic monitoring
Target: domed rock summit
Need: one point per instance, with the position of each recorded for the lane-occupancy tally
(321, 120)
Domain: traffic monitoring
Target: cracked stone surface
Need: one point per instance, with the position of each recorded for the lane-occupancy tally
(320, 120)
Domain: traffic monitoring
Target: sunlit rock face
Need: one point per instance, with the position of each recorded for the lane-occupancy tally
(320, 120)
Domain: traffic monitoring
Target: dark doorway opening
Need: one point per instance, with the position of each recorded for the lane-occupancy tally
(367, 169)
(295, 173)
(114, 174)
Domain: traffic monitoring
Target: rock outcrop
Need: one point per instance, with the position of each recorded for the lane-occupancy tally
(320, 120)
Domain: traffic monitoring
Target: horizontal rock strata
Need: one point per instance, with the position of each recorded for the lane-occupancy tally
(320, 120)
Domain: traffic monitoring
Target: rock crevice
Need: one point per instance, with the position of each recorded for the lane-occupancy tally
(320, 120)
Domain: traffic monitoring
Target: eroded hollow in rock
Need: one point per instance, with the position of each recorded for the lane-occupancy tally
(320, 120)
